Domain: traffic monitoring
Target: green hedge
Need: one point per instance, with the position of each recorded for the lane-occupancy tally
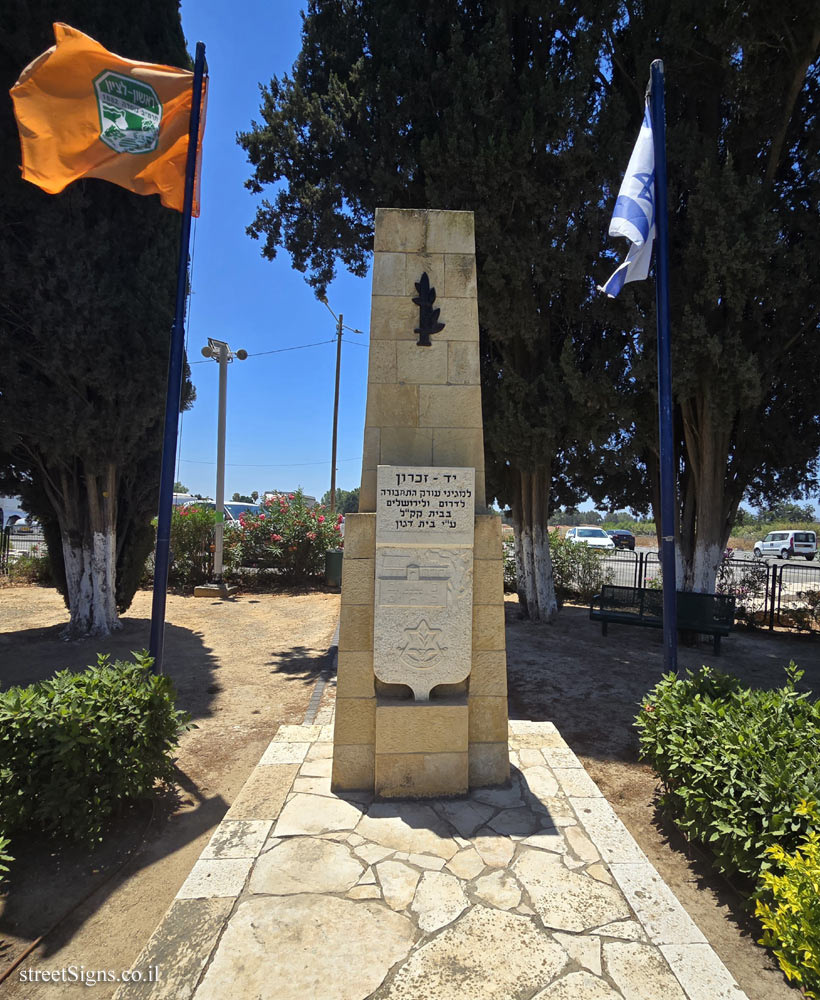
(73, 747)
(735, 763)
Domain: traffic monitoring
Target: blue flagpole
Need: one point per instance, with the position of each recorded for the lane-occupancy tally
(175, 369)
(667, 439)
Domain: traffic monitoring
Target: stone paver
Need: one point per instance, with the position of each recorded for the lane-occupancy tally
(640, 971)
(306, 946)
(215, 877)
(488, 954)
(310, 814)
(306, 864)
(439, 899)
(533, 890)
(237, 839)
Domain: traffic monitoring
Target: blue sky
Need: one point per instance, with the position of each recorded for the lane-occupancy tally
(280, 406)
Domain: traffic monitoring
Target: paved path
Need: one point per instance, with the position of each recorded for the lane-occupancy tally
(532, 892)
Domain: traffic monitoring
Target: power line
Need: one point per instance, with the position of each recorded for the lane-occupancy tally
(283, 465)
(281, 350)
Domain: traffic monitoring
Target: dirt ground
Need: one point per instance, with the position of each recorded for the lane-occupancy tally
(241, 668)
(245, 666)
(590, 687)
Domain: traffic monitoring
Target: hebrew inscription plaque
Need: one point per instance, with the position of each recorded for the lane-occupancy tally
(424, 576)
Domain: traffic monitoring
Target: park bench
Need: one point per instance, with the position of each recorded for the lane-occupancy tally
(706, 614)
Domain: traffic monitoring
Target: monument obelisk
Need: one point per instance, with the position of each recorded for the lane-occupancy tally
(421, 701)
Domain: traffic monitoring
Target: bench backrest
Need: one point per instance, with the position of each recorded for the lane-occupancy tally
(693, 609)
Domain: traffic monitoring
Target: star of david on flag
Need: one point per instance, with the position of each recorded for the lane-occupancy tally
(634, 214)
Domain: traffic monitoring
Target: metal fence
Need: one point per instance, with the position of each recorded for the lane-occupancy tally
(14, 544)
(767, 595)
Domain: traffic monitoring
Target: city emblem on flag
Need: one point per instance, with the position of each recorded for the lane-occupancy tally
(130, 113)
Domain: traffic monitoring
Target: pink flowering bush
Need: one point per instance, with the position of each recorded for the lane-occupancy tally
(286, 535)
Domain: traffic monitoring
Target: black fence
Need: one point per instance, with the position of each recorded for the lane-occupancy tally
(768, 595)
(14, 544)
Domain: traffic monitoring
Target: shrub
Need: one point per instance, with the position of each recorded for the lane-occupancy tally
(192, 530)
(577, 569)
(287, 535)
(4, 843)
(73, 747)
(789, 907)
(746, 580)
(734, 762)
(30, 567)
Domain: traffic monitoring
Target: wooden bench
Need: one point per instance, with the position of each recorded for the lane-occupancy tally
(707, 614)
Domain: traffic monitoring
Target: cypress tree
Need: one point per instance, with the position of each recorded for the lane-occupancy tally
(464, 105)
(743, 91)
(88, 280)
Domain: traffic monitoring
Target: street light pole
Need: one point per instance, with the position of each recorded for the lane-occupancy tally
(219, 534)
(222, 354)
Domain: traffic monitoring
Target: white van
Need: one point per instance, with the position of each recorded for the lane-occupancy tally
(787, 544)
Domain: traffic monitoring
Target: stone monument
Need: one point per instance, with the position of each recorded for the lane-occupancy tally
(421, 705)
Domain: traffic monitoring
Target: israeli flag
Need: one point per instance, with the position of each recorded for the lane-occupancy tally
(634, 214)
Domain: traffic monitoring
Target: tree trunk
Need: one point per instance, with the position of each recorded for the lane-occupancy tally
(530, 512)
(705, 506)
(87, 513)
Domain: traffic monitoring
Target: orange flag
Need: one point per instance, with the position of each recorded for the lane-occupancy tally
(84, 112)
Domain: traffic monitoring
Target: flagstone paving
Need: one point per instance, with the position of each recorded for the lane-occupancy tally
(535, 891)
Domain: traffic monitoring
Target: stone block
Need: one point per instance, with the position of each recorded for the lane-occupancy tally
(382, 361)
(406, 445)
(459, 446)
(448, 405)
(488, 626)
(355, 721)
(488, 581)
(460, 317)
(353, 768)
(421, 775)
(392, 405)
(450, 232)
(421, 365)
(371, 447)
(355, 676)
(489, 764)
(394, 318)
(388, 273)
(357, 581)
(264, 793)
(431, 264)
(488, 718)
(487, 536)
(463, 366)
(356, 627)
(400, 230)
(421, 727)
(459, 276)
(489, 673)
(180, 948)
(367, 492)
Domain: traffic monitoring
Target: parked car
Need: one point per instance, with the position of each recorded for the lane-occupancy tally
(787, 544)
(595, 538)
(622, 538)
(234, 509)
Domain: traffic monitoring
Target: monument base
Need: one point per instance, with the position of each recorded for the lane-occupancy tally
(421, 748)
(218, 590)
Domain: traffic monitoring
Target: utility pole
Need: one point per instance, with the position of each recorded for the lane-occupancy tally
(339, 328)
(222, 354)
(335, 416)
